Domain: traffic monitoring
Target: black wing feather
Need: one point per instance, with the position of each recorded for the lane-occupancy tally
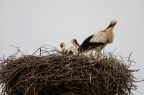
(87, 45)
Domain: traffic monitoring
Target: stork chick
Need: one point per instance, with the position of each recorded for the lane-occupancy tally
(74, 42)
(98, 40)
(63, 48)
(71, 50)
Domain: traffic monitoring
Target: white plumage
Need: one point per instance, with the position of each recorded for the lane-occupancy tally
(71, 50)
(63, 47)
(99, 37)
(98, 40)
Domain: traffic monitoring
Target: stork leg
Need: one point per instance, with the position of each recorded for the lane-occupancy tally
(98, 56)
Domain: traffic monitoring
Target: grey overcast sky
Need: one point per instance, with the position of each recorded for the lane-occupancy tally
(29, 24)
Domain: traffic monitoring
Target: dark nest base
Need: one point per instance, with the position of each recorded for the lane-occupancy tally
(57, 74)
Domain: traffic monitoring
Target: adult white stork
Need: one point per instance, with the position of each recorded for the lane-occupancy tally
(98, 40)
(72, 49)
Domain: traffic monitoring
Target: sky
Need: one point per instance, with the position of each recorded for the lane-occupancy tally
(29, 24)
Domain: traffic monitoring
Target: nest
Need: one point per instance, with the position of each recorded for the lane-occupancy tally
(58, 74)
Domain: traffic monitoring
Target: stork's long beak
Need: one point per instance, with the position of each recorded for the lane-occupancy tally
(111, 25)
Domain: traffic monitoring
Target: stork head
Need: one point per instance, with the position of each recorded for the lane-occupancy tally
(74, 42)
(113, 22)
(111, 25)
(62, 45)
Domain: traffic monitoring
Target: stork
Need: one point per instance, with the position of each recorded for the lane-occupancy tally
(75, 46)
(72, 49)
(74, 42)
(63, 47)
(98, 40)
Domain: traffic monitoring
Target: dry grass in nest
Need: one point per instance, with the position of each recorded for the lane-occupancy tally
(51, 73)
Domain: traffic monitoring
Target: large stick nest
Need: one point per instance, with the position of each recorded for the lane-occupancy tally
(52, 73)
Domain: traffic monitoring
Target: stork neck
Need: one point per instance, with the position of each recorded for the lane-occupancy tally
(63, 49)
